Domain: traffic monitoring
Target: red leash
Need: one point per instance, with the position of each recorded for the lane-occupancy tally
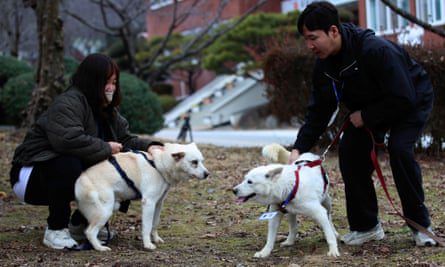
(379, 172)
(418, 227)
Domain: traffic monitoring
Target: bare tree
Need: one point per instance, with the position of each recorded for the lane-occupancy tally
(413, 19)
(196, 45)
(122, 20)
(49, 76)
(15, 29)
(126, 30)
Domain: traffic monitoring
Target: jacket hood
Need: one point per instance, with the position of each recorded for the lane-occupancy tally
(352, 40)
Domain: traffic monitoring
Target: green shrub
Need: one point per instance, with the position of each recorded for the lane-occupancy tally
(140, 106)
(11, 67)
(167, 102)
(70, 64)
(15, 96)
(434, 63)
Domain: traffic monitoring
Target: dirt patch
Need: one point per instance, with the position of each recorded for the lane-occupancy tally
(202, 226)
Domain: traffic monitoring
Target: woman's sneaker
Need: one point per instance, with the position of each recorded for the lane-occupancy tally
(423, 240)
(78, 233)
(358, 238)
(58, 239)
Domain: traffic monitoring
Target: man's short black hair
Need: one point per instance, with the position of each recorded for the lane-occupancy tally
(319, 16)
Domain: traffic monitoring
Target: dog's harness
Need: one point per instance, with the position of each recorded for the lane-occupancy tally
(124, 175)
(293, 193)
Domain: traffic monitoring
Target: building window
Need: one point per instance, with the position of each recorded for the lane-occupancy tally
(382, 19)
(431, 11)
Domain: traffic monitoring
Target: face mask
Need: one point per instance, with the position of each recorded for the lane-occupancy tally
(109, 96)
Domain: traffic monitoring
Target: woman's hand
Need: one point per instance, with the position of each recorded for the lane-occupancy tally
(115, 147)
(154, 147)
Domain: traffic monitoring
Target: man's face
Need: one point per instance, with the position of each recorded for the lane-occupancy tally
(322, 44)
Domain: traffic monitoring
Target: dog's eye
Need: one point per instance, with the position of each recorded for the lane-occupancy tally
(194, 162)
(267, 175)
(249, 181)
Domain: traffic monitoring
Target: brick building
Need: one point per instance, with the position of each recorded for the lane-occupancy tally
(159, 18)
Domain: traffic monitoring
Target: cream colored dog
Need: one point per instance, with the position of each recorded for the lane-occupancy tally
(275, 153)
(272, 184)
(101, 188)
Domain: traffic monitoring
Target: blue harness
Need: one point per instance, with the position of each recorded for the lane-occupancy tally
(124, 175)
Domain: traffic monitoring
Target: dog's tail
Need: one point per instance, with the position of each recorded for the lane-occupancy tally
(275, 153)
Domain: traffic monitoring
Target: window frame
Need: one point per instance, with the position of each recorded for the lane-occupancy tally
(431, 9)
(378, 14)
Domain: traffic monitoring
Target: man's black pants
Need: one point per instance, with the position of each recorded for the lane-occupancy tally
(52, 184)
(356, 168)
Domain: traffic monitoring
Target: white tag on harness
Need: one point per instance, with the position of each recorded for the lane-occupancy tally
(267, 215)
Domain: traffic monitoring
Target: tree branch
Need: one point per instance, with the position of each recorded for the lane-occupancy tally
(413, 19)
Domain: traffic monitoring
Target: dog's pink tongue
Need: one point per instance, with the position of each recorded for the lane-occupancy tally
(240, 200)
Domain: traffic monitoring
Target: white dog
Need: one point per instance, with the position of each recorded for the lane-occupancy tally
(101, 188)
(273, 185)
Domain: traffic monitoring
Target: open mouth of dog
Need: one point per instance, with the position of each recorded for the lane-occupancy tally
(240, 200)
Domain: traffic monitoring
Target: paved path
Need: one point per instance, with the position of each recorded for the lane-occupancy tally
(237, 138)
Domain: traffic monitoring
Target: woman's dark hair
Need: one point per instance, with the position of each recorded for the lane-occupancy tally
(319, 16)
(91, 77)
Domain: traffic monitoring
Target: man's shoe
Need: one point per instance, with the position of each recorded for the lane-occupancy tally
(423, 240)
(58, 239)
(358, 238)
(78, 233)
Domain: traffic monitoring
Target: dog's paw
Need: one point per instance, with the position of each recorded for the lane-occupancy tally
(157, 239)
(150, 246)
(333, 252)
(103, 248)
(261, 254)
(287, 243)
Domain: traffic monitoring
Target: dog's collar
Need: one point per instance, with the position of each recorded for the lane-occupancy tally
(293, 193)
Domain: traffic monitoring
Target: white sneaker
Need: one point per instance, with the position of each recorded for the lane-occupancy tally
(78, 233)
(358, 238)
(58, 239)
(423, 240)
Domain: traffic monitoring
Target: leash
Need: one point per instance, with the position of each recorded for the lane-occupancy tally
(418, 227)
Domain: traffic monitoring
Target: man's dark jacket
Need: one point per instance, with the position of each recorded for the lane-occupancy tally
(69, 127)
(371, 74)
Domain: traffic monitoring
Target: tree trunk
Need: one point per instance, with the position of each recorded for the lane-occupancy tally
(49, 76)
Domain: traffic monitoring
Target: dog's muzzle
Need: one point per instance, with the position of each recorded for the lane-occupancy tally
(240, 200)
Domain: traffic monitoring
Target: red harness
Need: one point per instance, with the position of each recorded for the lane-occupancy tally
(294, 191)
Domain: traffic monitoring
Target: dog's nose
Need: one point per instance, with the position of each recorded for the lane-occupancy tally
(206, 174)
(235, 191)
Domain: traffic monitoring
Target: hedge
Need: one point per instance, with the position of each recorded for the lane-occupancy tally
(11, 67)
(140, 106)
(14, 97)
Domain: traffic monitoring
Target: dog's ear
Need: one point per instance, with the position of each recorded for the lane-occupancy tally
(178, 156)
(274, 173)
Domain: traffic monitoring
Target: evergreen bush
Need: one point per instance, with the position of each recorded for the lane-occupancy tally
(167, 102)
(14, 97)
(140, 106)
(11, 67)
(70, 64)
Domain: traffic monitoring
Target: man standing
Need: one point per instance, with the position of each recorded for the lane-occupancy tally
(385, 91)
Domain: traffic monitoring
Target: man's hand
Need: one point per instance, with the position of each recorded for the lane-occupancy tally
(356, 119)
(115, 147)
(294, 155)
